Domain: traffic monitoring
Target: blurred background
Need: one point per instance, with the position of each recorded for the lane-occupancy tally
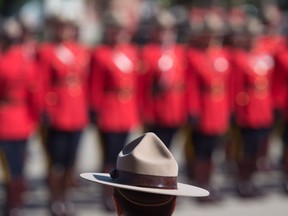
(137, 16)
(90, 13)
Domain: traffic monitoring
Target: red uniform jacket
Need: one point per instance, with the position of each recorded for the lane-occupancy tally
(208, 89)
(280, 79)
(253, 100)
(18, 93)
(163, 85)
(65, 68)
(113, 82)
(274, 44)
(269, 43)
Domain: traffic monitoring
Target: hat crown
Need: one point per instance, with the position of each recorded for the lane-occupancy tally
(147, 155)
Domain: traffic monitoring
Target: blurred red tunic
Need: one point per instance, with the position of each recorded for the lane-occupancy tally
(18, 95)
(64, 75)
(163, 85)
(209, 89)
(253, 99)
(113, 87)
(279, 79)
(269, 43)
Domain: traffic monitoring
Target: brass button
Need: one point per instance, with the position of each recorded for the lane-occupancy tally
(242, 99)
(124, 95)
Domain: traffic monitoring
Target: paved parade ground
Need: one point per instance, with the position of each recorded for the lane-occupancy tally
(87, 195)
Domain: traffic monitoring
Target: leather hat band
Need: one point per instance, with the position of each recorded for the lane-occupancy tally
(140, 180)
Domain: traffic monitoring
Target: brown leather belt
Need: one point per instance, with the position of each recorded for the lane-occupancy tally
(10, 102)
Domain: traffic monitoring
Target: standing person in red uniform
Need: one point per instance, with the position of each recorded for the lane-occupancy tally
(208, 102)
(252, 69)
(279, 90)
(64, 65)
(163, 82)
(113, 94)
(18, 93)
(270, 40)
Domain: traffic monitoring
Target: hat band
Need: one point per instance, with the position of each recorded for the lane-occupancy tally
(141, 180)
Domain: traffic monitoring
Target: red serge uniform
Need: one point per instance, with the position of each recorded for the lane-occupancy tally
(209, 109)
(18, 96)
(252, 71)
(280, 98)
(65, 89)
(113, 87)
(270, 43)
(113, 98)
(279, 86)
(18, 106)
(208, 90)
(274, 44)
(254, 107)
(163, 85)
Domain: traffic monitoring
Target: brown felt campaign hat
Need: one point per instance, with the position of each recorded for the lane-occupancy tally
(146, 165)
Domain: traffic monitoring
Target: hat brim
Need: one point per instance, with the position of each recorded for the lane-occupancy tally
(182, 189)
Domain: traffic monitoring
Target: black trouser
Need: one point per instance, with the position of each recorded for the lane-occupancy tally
(13, 156)
(253, 139)
(113, 143)
(62, 147)
(204, 145)
(166, 134)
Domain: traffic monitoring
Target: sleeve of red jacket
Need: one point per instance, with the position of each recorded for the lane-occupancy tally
(232, 85)
(193, 90)
(90, 79)
(239, 94)
(279, 84)
(44, 80)
(2, 86)
(145, 85)
(34, 91)
(48, 95)
(96, 82)
(138, 80)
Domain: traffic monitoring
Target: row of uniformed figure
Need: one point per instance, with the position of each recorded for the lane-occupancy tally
(162, 86)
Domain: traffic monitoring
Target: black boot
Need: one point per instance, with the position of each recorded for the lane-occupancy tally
(14, 203)
(245, 187)
(202, 175)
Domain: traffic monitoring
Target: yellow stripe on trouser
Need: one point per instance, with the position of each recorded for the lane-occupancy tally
(235, 144)
(5, 165)
(189, 153)
(43, 132)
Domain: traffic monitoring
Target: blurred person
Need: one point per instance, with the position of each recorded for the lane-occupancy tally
(29, 45)
(29, 39)
(163, 81)
(208, 98)
(272, 20)
(279, 91)
(270, 40)
(252, 69)
(234, 40)
(274, 40)
(42, 52)
(113, 93)
(142, 185)
(64, 69)
(18, 106)
(194, 40)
